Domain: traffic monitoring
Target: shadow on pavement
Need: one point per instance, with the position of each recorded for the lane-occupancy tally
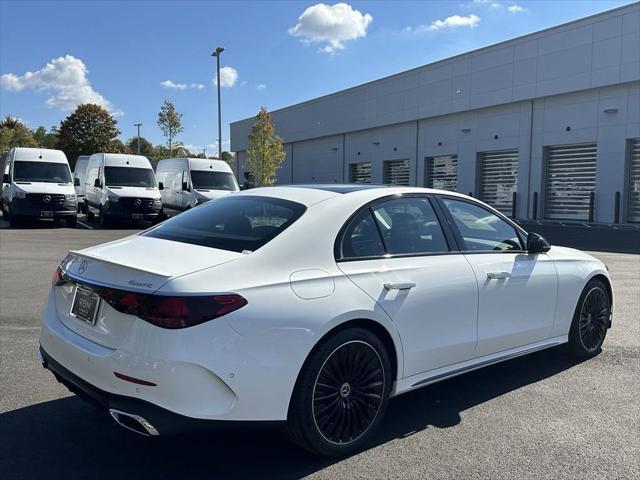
(67, 438)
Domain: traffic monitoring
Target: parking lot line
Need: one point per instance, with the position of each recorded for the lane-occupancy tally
(85, 225)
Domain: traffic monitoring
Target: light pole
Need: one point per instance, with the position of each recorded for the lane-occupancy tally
(204, 152)
(216, 54)
(138, 125)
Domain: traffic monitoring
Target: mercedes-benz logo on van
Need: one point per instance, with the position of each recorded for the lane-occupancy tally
(46, 198)
(83, 266)
(137, 202)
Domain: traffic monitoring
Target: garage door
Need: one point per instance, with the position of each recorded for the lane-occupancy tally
(396, 172)
(442, 172)
(360, 172)
(633, 207)
(499, 179)
(570, 178)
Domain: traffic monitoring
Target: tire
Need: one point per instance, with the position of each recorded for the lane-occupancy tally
(72, 221)
(590, 320)
(90, 215)
(332, 411)
(105, 221)
(14, 220)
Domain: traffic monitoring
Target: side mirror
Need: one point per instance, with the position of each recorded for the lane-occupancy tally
(76, 182)
(537, 243)
(97, 183)
(160, 186)
(5, 178)
(185, 186)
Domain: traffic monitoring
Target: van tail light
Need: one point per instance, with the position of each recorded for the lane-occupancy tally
(172, 311)
(58, 277)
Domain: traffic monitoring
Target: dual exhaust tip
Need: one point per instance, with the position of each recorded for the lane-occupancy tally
(133, 422)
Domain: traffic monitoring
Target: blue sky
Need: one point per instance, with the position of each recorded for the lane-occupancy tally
(130, 56)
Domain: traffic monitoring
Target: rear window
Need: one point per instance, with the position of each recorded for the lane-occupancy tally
(234, 223)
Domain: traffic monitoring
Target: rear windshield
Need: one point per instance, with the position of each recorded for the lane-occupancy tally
(209, 180)
(235, 223)
(41, 172)
(129, 177)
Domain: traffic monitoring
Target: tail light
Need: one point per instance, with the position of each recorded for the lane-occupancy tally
(172, 311)
(58, 277)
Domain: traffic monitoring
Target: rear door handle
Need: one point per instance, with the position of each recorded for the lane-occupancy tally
(498, 275)
(399, 285)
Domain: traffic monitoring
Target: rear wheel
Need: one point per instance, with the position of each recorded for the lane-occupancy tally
(341, 394)
(590, 320)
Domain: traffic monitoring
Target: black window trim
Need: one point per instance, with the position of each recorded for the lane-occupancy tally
(442, 220)
(458, 236)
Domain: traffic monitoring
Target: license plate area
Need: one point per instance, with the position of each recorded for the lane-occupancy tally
(137, 216)
(46, 214)
(85, 305)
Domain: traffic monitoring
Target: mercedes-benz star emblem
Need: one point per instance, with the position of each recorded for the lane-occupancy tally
(137, 202)
(46, 198)
(83, 266)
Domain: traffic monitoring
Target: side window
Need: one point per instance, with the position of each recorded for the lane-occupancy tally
(410, 226)
(482, 230)
(361, 238)
(185, 177)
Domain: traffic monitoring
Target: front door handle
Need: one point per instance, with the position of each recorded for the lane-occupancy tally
(399, 285)
(498, 275)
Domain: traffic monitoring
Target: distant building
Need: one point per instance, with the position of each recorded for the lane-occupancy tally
(550, 121)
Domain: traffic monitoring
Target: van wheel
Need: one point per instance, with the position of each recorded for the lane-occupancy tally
(90, 215)
(341, 394)
(14, 220)
(72, 221)
(104, 220)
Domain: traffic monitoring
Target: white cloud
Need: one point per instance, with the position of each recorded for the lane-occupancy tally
(515, 8)
(228, 77)
(331, 24)
(181, 86)
(261, 86)
(449, 23)
(175, 86)
(66, 78)
(243, 83)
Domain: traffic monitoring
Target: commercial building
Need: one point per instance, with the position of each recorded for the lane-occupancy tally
(544, 126)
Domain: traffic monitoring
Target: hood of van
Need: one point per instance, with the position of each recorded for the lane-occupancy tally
(44, 187)
(138, 192)
(205, 195)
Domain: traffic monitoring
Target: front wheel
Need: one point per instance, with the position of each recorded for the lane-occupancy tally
(72, 221)
(590, 320)
(341, 394)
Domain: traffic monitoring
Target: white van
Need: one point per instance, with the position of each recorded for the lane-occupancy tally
(121, 187)
(79, 175)
(188, 182)
(36, 183)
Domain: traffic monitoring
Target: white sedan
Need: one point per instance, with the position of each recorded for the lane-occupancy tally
(311, 305)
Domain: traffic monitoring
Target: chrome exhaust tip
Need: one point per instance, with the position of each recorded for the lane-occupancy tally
(133, 422)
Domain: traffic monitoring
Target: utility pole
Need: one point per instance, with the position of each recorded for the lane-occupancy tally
(218, 51)
(138, 125)
(204, 152)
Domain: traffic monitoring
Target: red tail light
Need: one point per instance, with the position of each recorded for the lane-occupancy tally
(58, 277)
(172, 311)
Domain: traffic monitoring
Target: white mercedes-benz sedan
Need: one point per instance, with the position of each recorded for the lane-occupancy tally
(311, 305)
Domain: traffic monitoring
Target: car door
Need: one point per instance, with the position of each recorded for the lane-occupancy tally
(517, 290)
(398, 253)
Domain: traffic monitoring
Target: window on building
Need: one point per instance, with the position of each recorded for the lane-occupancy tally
(442, 172)
(360, 172)
(396, 172)
(633, 203)
(499, 179)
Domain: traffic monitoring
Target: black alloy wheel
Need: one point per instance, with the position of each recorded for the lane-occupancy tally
(594, 318)
(348, 392)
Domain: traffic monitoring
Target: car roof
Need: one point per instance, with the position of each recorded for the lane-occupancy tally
(339, 187)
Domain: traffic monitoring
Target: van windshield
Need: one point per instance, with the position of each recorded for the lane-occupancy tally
(41, 172)
(235, 222)
(209, 180)
(129, 177)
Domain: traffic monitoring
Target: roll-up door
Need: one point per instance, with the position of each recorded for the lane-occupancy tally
(570, 178)
(633, 206)
(396, 172)
(499, 179)
(360, 172)
(442, 172)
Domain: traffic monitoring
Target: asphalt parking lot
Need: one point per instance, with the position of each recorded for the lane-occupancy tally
(541, 416)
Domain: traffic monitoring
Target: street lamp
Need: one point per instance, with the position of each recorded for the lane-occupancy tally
(216, 54)
(204, 152)
(138, 125)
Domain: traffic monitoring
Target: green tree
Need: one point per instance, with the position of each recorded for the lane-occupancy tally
(45, 139)
(265, 153)
(229, 158)
(146, 148)
(89, 129)
(170, 123)
(13, 133)
(116, 146)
